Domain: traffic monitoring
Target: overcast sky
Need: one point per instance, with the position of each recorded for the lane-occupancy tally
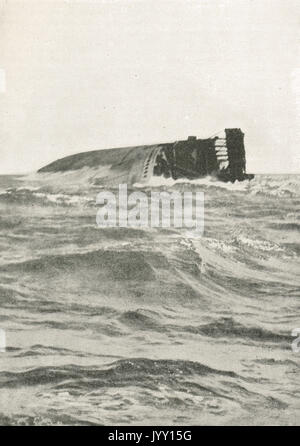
(82, 75)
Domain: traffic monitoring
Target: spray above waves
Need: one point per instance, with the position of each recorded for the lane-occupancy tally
(81, 186)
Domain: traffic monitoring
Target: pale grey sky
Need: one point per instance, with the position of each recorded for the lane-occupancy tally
(81, 75)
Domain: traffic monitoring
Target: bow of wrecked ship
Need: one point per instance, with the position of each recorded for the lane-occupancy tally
(222, 157)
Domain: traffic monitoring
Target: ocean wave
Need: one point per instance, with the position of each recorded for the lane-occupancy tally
(229, 328)
(226, 328)
(269, 185)
(288, 226)
(80, 192)
(257, 245)
(276, 185)
(27, 195)
(118, 265)
(205, 182)
(139, 320)
(9, 222)
(121, 372)
(122, 325)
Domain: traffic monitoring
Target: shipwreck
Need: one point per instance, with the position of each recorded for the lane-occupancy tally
(221, 157)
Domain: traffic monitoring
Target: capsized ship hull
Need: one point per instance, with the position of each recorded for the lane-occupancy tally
(223, 158)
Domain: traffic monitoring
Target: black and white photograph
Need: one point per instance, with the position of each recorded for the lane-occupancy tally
(149, 215)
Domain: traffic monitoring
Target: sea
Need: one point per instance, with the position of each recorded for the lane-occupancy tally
(149, 326)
